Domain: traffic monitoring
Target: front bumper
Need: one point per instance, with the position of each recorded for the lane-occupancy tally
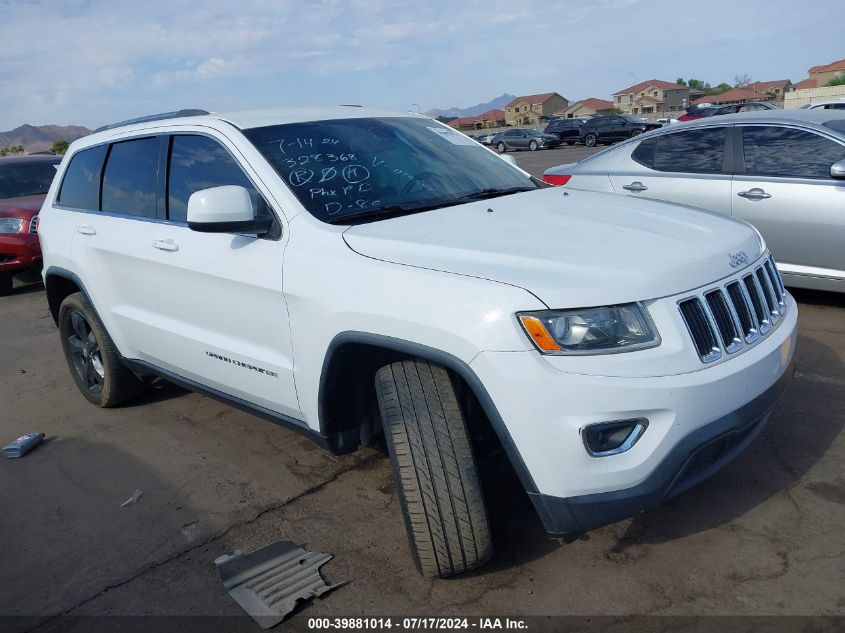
(19, 250)
(698, 421)
(695, 458)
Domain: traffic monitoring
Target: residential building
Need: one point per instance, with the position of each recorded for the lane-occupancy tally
(820, 76)
(586, 108)
(489, 119)
(652, 97)
(772, 91)
(530, 109)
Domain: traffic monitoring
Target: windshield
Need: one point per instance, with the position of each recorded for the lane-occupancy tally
(345, 169)
(25, 179)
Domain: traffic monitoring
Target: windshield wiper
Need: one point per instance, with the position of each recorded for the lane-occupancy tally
(493, 192)
(391, 211)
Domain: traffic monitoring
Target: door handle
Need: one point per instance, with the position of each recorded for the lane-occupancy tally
(636, 187)
(754, 194)
(166, 245)
(86, 230)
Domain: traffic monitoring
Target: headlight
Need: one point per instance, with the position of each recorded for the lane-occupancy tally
(605, 330)
(10, 225)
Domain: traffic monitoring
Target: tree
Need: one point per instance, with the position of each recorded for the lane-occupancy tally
(681, 81)
(616, 111)
(60, 146)
(697, 84)
(837, 81)
(740, 81)
(445, 119)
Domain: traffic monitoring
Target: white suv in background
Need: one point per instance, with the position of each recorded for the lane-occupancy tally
(345, 271)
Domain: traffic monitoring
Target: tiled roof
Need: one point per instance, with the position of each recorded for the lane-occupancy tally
(826, 68)
(490, 115)
(593, 104)
(765, 86)
(734, 94)
(657, 83)
(532, 99)
(807, 83)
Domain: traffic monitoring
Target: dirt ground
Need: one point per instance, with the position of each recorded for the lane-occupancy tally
(763, 537)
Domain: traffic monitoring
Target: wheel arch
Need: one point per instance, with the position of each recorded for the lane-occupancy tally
(348, 371)
(59, 283)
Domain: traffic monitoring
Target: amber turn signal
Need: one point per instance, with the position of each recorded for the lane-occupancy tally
(539, 334)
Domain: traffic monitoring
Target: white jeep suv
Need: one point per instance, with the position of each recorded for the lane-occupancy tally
(347, 272)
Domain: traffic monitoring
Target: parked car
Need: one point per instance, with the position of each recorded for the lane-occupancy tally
(355, 274)
(667, 121)
(698, 112)
(603, 130)
(24, 181)
(485, 139)
(519, 138)
(825, 105)
(781, 170)
(567, 130)
(753, 106)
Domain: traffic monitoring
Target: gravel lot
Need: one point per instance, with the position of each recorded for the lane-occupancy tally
(762, 537)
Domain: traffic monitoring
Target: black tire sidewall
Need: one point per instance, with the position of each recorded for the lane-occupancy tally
(501, 148)
(77, 303)
(587, 140)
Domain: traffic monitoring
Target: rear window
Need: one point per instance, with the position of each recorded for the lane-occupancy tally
(691, 151)
(26, 179)
(130, 179)
(81, 185)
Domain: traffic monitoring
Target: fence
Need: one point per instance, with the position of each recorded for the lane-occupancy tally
(798, 98)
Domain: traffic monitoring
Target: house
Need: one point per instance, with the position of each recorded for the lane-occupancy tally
(734, 95)
(490, 119)
(530, 109)
(773, 91)
(820, 76)
(652, 97)
(586, 108)
(770, 90)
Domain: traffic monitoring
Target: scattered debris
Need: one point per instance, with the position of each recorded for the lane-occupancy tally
(23, 445)
(133, 499)
(268, 582)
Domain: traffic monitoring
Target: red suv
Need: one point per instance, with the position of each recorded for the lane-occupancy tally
(24, 181)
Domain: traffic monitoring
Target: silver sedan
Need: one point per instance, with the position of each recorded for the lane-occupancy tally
(781, 170)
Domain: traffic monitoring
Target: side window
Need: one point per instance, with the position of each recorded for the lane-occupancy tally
(130, 179)
(783, 151)
(644, 153)
(81, 185)
(692, 151)
(199, 162)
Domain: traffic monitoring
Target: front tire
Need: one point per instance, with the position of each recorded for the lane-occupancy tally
(590, 140)
(434, 468)
(533, 146)
(636, 133)
(501, 148)
(92, 357)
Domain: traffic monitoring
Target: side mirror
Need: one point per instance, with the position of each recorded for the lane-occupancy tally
(226, 209)
(837, 170)
(508, 159)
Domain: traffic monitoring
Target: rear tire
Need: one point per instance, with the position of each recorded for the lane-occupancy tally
(590, 140)
(636, 133)
(5, 283)
(92, 357)
(434, 468)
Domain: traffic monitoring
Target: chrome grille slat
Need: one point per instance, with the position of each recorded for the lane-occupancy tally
(735, 314)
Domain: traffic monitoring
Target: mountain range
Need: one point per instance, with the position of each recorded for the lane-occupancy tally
(38, 138)
(494, 104)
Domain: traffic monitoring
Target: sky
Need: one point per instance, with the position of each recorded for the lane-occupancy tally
(92, 62)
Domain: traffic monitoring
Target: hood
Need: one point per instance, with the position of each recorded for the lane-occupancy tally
(25, 206)
(576, 250)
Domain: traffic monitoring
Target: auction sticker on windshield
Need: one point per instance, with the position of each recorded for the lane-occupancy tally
(453, 136)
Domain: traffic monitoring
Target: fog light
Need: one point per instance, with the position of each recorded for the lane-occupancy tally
(612, 438)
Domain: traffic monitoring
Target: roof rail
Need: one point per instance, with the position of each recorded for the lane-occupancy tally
(153, 117)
